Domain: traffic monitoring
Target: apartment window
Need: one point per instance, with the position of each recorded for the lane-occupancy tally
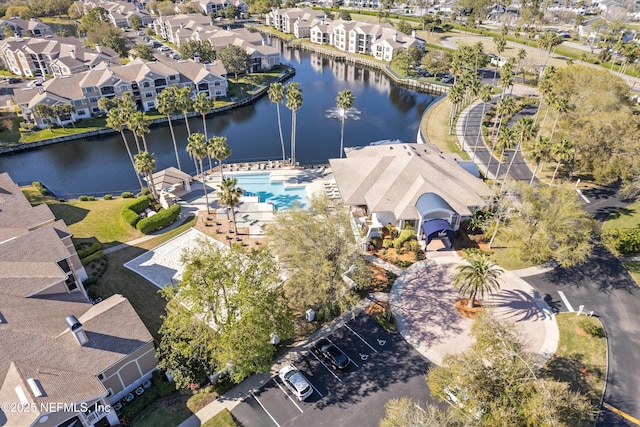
(64, 265)
(89, 89)
(71, 282)
(217, 83)
(148, 94)
(81, 112)
(77, 102)
(124, 88)
(218, 93)
(173, 77)
(93, 99)
(146, 84)
(95, 109)
(203, 86)
(160, 82)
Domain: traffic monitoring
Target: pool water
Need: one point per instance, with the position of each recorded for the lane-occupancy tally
(282, 198)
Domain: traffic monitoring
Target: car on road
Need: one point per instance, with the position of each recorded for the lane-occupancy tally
(447, 79)
(296, 382)
(332, 354)
(12, 80)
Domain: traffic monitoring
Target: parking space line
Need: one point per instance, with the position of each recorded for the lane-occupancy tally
(352, 361)
(361, 339)
(326, 367)
(287, 394)
(565, 301)
(265, 409)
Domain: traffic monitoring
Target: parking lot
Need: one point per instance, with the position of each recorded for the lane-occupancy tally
(382, 366)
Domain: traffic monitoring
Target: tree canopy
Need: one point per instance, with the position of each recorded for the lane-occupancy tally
(496, 382)
(234, 59)
(191, 48)
(223, 314)
(550, 223)
(316, 246)
(599, 121)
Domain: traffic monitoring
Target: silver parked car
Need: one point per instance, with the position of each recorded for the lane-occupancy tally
(296, 382)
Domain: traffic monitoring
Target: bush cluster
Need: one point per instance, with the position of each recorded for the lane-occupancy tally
(85, 252)
(592, 328)
(159, 220)
(127, 195)
(622, 241)
(87, 198)
(108, 197)
(97, 255)
(131, 211)
(406, 235)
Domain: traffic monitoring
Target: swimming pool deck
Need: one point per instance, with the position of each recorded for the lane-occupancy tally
(251, 213)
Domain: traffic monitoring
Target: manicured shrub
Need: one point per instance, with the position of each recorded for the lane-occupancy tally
(387, 243)
(93, 293)
(405, 236)
(145, 191)
(592, 327)
(90, 281)
(131, 211)
(159, 220)
(622, 241)
(127, 195)
(85, 252)
(108, 197)
(97, 255)
(87, 198)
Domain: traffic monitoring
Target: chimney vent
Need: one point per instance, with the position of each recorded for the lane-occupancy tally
(34, 385)
(75, 327)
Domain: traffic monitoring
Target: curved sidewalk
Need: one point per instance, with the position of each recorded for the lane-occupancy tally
(422, 300)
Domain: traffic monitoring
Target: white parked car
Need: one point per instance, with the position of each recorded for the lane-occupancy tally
(296, 382)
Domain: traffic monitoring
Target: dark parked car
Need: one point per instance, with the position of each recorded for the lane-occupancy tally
(332, 354)
(12, 80)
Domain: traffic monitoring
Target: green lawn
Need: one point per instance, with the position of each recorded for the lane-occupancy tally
(173, 409)
(221, 419)
(99, 220)
(628, 217)
(581, 359)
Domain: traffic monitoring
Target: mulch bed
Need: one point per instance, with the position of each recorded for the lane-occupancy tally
(465, 311)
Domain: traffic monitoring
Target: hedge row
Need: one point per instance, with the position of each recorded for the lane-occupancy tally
(159, 220)
(131, 211)
(97, 255)
(622, 241)
(82, 253)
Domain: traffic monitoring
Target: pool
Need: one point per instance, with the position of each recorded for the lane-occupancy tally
(260, 184)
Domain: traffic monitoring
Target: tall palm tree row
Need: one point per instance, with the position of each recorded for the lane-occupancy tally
(229, 194)
(145, 163)
(117, 121)
(218, 148)
(276, 95)
(139, 125)
(203, 105)
(166, 104)
(344, 101)
(525, 130)
(505, 141)
(563, 151)
(197, 149)
(477, 276)
(455, 95)
(294, 103)
(184, 103)
(539, 150)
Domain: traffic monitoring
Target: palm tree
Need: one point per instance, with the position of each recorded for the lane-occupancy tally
(505, 140)
(525, 131)
(294, 103)
(506, 76)
(229, 194)
(45, 112)
(276, 95)
(203, 105)
(455, 95)
(116, 121)
(561, 105)
(184, 103)
(218, 148)
(344, 101)
(562, 151)
(484, 94)
(139, 124)
(505, 106)
(545, 87)
(539, 151)
(478, 276)
(197, 149)
(145, 163)
(550, 99)
(500, 45)
(165, 103)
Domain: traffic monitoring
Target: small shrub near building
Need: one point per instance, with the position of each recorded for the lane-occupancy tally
(87, 198)
(159, 220)
(108, 197)
(86, 251)
(127, 195)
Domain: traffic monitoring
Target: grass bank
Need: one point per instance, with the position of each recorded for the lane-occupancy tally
(581, 359)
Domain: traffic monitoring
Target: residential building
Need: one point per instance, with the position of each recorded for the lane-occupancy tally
(22, 27)
(408, 183)
(120, 12)
(382, 41)
(178, 28)
(263, 56)
(143, 79)
(216, 8)
(58, 56)
(63, 359)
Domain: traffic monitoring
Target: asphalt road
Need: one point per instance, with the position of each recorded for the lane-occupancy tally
(383, 366)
